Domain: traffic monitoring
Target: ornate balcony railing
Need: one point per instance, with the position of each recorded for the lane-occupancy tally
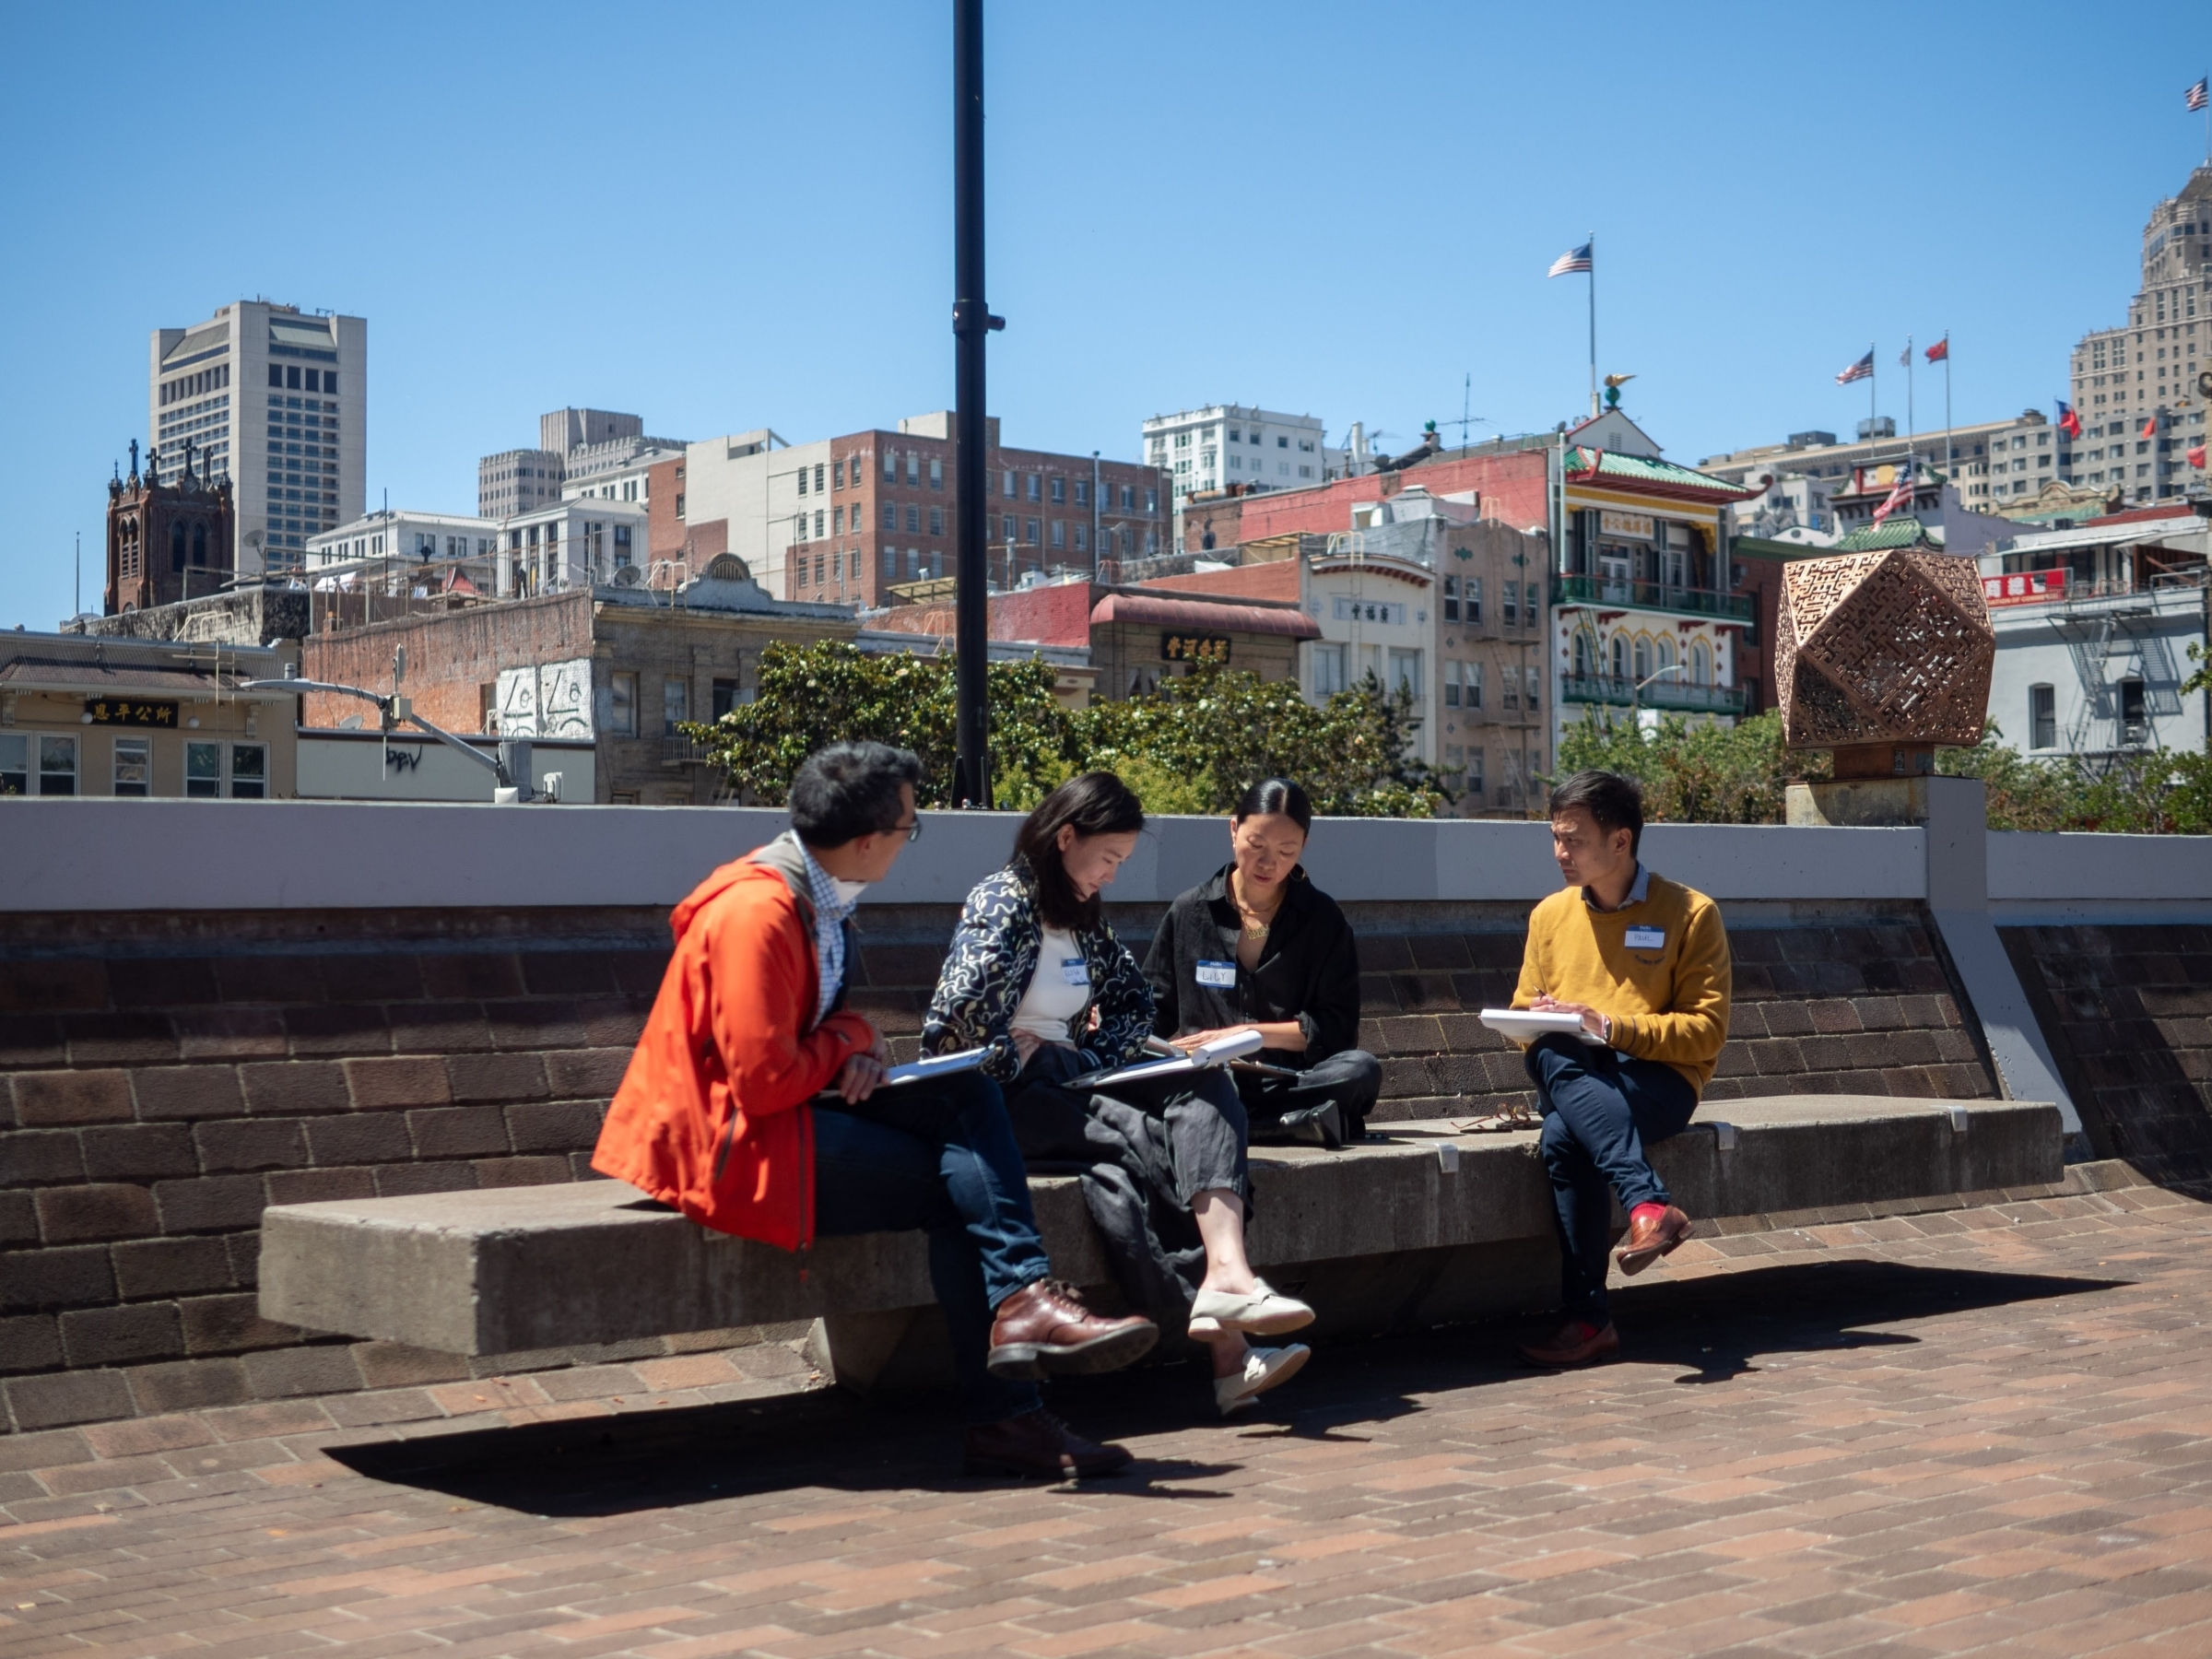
(1660, 694)
(1651, 596)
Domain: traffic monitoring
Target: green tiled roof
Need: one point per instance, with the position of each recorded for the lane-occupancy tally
(1645, 469)
(1899, 530)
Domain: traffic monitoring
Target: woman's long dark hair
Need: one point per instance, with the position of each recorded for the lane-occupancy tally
(1097, 803)
(1274, 796)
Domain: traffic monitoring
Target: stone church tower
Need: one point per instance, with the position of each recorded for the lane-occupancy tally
(167, 542)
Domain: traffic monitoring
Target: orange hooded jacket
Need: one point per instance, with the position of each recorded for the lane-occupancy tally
(711, 1117)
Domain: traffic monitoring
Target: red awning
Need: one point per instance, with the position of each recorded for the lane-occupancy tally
(1199, 613)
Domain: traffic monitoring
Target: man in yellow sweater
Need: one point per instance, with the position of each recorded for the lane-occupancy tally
(1644, 962)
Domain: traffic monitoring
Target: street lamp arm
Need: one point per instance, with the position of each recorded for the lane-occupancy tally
(390, 713)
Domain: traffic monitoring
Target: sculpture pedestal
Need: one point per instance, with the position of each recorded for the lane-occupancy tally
(1858, 803)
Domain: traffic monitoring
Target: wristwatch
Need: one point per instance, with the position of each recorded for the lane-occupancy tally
(1606, 1020)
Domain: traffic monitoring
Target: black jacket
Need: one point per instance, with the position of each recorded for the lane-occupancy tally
(1309, 969)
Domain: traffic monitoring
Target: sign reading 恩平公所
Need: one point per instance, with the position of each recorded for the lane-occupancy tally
(1637, 526)
(131, 711)
(1193, 648)
(2024, 587)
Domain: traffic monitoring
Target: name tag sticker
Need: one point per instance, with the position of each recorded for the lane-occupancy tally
(1074, 970)
(1647, 938)
(1220, 976)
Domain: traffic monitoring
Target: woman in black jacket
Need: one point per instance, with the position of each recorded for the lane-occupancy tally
(1259, 946)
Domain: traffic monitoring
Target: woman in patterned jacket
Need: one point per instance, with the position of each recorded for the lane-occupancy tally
(1036, 976)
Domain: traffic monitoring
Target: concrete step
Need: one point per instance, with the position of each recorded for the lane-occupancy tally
(1430, 1225)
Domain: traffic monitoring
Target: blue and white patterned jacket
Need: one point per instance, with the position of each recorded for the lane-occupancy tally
(994, 952)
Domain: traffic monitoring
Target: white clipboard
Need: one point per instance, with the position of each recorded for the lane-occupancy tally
(1206, 1056)
(934, 1065)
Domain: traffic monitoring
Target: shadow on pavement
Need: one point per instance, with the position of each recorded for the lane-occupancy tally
(1714, 1328)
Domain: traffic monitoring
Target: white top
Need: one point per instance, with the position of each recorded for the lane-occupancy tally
(1058, 989)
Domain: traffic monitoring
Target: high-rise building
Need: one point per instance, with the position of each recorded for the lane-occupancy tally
(580, 452)
(274, 399)
(2136, 387)
(1225, 444)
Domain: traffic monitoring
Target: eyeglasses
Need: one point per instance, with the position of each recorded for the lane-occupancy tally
(914, 830)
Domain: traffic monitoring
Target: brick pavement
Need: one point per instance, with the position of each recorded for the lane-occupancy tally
(1979, 1429)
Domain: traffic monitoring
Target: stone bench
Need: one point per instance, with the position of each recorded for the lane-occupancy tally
(1428, 1226)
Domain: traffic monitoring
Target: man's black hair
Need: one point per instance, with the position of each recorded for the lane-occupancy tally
(1612, 801)
(849, 790)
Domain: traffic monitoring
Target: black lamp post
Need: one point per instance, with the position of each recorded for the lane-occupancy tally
(971, 323)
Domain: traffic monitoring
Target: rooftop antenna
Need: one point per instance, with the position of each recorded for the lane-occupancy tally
(1467, 421)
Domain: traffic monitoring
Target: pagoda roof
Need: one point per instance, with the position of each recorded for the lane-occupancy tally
(1899, 530)
(1651, 475)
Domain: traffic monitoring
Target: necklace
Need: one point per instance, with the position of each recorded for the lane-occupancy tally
(1256, 923)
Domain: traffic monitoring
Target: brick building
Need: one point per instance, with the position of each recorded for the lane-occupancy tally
(844, 519)
(167, 542)
(622, 666)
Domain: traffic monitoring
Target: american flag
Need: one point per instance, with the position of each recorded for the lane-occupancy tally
(1862, 370)
(1573, 260)
(2199, 96)
(1901, 496)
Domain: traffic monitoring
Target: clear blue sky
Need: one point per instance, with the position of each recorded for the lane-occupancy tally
(723, 217)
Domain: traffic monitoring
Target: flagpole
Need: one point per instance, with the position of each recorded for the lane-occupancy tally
(1912, 422)
(1947, 402)
(1874, 374)
(1593, 325)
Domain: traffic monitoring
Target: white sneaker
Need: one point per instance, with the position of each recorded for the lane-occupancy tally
(1263, 1368)
(1262, 1310)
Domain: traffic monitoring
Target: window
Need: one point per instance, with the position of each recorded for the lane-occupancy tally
(937, 472)
(2133, 726)
(1533, 683)
(1059, 492)
(913, 467)
(1472, 696)
(1328, 670)
(937, 521)
(1473, 777)
(238, 770)
(1008, 488)
(1282, 443)
(1450, 685)
(134, 766)
(2043, 717)
(891, 516)
(1450, 615)
(819, 469)
(622, 712)
(1059, 530)
(1030, 531)
(675, 704)
(890, 564)
(57, 765)
(1513, 613)
(1082, 492)
(1534, 606)
(1406, 673)
(725, 697)
(1640, 660)
(890, 466)
(14, 764)
(837, 475)
(1152, 507)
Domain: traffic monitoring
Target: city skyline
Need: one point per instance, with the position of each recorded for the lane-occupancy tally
(803, 281)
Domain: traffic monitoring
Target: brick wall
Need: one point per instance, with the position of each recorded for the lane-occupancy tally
(162, 1078)
(2128, 1012)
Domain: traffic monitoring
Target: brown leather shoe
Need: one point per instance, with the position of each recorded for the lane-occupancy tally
(1578, 1342)
(1045, 1330)
(1651, 1239)
(1038, 1446)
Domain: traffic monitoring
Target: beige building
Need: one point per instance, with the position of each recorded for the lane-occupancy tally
(83, 716)
(2145, 372)
(1994, 463)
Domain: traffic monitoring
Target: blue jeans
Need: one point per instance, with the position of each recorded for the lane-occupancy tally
(940, 1156)
(1600, 1111)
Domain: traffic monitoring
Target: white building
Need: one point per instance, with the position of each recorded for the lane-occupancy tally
(754, 481)
(1226, 444)
(619, 470)
(583, 542)
(399, 534)
(277, 398)
(1994, 464)
(599, 453)
(2094, 626)
(520, 480)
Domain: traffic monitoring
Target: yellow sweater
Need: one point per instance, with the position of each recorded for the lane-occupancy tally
(1668, 995)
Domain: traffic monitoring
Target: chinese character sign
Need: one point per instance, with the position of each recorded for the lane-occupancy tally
(1193, 648)
(2024, 587)
(132, 712)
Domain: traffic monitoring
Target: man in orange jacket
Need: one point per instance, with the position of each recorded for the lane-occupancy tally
(717, 1115)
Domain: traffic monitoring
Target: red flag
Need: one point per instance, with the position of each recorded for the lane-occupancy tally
(2068, 422)
(2196, 456)
(2150, 428)
(1941, 350)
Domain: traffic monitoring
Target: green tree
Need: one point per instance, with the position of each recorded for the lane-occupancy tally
(1704, 774)
(1193, 747)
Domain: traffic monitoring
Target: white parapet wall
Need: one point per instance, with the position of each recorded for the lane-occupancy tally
(109, 854)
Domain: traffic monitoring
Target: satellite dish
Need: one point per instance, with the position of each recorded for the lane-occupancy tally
(352, 722)
(2203, 383)
(627, 576)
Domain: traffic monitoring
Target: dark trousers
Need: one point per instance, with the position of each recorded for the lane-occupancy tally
(940, 1156)
(1143, 1152)
(1600, 1111)
(1327, 1103)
